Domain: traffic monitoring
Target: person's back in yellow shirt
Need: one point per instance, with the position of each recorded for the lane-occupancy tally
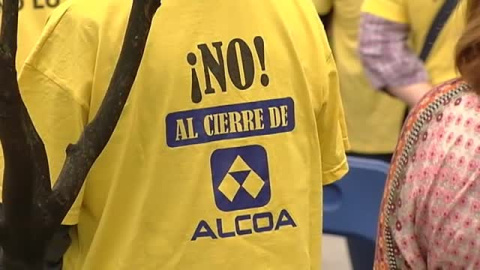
(232, 127)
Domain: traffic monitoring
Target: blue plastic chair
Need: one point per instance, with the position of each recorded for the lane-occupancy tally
(351, 208)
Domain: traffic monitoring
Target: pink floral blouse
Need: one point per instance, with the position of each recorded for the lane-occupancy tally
(430, 216)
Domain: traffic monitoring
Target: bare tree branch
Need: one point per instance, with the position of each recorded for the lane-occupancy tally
(32, 210)
(26, 175)
(82, 155)
(8, 34)
(2, 225)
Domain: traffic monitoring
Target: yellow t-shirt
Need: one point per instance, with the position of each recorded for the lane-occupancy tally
(318, 6)
(374, 118)
(419, 15)
(218, 160)
(32, 18)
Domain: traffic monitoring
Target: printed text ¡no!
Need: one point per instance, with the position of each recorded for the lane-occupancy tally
(239, 63)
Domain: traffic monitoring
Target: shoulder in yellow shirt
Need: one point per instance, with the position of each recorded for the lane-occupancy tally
(32, 18)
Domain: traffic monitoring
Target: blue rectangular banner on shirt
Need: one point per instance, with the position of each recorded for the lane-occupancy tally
(230, 122)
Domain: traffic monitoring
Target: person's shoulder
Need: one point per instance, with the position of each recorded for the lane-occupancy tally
(92, 10)
(78, 22)
(83, 15)
(450, 85)
(443, 93)
(437, 99)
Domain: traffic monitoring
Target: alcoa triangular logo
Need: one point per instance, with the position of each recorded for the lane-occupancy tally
(241, 178)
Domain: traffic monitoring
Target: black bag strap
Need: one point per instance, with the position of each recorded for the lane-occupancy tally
(438, 23)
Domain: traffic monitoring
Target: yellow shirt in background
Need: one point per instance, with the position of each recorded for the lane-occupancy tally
(233, 125)
(374, 118)
(419, 15)
(32, 18)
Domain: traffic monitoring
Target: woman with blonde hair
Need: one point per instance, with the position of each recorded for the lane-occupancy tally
(430, 216)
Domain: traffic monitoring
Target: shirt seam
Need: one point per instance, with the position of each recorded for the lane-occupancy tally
(59, 85)
(339, 167)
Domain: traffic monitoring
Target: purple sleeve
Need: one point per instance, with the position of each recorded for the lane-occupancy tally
(383, 49)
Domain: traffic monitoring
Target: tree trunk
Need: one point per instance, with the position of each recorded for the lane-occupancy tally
(9, 264)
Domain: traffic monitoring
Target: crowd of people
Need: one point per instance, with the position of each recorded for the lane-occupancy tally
(240, 114)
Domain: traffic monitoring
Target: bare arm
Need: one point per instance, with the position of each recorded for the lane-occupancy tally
(411, 94)
(389, 63)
